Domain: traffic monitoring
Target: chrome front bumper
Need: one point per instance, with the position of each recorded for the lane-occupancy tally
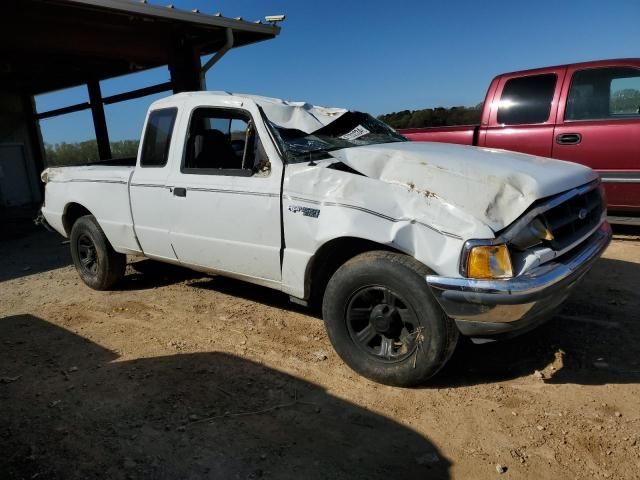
(507, 307)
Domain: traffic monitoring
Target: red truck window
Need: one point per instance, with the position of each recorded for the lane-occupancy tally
(604, 93)
(526, 100)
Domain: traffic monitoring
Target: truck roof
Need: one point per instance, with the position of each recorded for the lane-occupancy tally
(284, 113)
(593, 63)
(179, 97)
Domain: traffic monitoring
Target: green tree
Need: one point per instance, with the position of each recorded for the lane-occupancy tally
(433, 117)
(84, 153)
(625, 101)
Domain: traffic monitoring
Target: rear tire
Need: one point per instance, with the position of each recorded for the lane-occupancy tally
(384, 322)
(97, 263)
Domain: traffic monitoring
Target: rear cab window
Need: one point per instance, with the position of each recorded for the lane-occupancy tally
(157, 137)
(527, 100)
(604, 93)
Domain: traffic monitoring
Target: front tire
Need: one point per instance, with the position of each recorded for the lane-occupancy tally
(384, 322)
(97, 263)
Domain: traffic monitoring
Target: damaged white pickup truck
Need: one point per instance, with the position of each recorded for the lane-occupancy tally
(406, 245)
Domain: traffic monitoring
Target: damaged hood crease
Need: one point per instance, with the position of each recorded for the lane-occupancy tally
(493, 186)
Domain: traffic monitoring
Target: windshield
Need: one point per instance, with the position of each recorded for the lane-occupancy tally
(352, 129)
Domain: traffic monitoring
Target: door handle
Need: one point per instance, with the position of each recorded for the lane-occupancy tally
(569, 138)
(179, 192)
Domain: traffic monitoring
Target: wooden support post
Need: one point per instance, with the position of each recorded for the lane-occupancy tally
(99, 120)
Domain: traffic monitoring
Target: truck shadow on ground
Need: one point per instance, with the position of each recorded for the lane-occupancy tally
(70, 410)
(35, 252)
(254, 293)
(39, 251)
(626, 233)
(592, 341)
(147, 274)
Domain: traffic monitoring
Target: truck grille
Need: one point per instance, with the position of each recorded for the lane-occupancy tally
(574, 218)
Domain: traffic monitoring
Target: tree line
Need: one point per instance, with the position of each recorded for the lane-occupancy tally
(433, 117)
(626, 101)
(623, 101)
(82, 153)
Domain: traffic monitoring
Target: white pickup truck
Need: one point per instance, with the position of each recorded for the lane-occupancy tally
(405, 245)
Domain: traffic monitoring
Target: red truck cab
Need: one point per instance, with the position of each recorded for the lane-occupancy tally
(587, 113)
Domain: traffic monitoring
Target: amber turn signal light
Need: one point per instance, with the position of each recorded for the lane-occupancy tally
(489, 261)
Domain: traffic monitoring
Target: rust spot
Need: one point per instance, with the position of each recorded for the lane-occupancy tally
(424, 193)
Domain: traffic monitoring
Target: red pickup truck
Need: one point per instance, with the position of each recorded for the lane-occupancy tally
(587, 113)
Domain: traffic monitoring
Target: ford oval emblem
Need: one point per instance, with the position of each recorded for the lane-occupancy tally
(582, 214)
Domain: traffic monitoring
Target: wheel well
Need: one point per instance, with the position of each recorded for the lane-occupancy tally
(72, 213)
(331, 256)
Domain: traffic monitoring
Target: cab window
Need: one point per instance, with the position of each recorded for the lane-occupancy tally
(223, 142)
(527, 100)
(604, 93)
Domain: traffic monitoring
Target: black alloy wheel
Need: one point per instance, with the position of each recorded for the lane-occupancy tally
(87, 254)
(383, 320)
(382, 323)
(99, 265)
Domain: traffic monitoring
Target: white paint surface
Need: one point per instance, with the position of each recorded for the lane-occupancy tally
(425, 199)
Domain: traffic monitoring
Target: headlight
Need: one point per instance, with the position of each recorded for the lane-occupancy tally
(531, 235)
(489, 261)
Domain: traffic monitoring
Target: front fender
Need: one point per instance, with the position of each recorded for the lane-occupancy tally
(321, 204)
(310, 226)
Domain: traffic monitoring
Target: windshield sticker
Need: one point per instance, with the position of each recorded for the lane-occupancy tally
(357, 132)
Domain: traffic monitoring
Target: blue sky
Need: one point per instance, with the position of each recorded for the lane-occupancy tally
(380, 56)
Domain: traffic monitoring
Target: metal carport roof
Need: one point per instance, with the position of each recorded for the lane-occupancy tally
(47, 45)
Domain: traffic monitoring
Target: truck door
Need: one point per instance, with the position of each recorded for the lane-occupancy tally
(226, 197)
(149, 191)
(599, 126)
(523, 112)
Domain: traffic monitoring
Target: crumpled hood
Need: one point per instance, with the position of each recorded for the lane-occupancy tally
(493, 186)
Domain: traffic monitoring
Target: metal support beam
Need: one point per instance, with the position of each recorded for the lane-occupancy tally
(228, 45)
(141, 92)
(99, 120)
(78, 107)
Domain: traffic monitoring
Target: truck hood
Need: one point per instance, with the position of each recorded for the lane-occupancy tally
(494, 186)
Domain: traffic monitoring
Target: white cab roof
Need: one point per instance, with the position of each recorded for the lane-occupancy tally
(286, 114)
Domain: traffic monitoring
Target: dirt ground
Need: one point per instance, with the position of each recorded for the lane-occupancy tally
(179, 375)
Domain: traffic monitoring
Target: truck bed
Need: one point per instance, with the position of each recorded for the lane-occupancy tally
(90, 173)
(100, 190)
